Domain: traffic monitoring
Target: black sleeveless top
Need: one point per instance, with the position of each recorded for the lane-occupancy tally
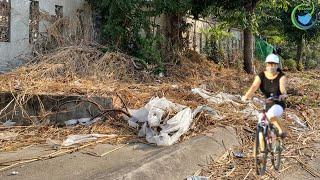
(269, 87)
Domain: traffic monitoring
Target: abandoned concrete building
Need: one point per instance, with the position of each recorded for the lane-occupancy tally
(24, 22)
(20, 26)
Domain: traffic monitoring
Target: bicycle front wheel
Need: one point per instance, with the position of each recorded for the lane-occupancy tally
(260, 152)
(276, 149)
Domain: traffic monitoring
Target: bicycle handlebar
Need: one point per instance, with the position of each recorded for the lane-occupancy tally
(274, 98)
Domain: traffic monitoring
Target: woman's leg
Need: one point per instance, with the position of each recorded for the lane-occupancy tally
(261, 139)
(274, 114)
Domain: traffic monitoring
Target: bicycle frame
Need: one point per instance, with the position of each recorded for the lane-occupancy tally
(271, 143)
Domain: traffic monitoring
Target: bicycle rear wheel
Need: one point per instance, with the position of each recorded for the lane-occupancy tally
(260, 152)
(276, 149)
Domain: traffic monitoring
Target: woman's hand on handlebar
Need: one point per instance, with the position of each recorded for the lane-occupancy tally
(283, 97)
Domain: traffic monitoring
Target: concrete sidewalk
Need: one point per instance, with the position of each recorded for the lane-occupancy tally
(138, 161)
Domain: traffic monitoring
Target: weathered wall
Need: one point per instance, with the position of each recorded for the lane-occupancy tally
(11, 52)
(197, 39)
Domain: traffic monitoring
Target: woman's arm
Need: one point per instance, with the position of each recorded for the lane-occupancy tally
(254, 87)
(283, 85)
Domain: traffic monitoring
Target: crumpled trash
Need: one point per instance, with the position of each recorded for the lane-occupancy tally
(157, 108)
(218, 98)
(197, 178)
(82, 121)
(163, 103)
(214, 114)
(179, 124)
(155, 116)
(296, 119)
(13, 173)
(6, 135)
(153, 112)
(71, 122)
(250, 111)
(157, 127)
(140, 115)
(81, 138)
(8, 123)
(238, 154)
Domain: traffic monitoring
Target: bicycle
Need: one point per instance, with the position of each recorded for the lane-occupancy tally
(271, 142)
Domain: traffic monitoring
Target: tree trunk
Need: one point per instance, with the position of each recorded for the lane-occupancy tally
(172, 33)
(300, 46)
(248, 51)
(248, 38)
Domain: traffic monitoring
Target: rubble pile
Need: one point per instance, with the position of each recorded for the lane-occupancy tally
(194, 96)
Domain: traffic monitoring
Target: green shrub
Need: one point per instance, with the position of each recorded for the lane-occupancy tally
(300, 67)
(311, 64)
(148, 50)
(290, 64)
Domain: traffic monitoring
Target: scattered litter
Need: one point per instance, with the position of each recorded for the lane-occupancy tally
(76, 139)
(8, 123)
(238, 154)
(140, 115)
(71, 122)
(13, 173)
(179, 124)
(197, 178)
(82, 121)
(250, 111)
(156, 114)
(208, 110)
(218, 98)
(296, 120)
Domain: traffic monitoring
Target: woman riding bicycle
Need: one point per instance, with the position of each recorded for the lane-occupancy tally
(272, 83)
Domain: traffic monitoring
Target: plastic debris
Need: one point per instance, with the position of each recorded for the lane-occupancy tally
(238, 154)
(296, 120)
(81, 138)
(157, 127)
(179, 124)
(251, 111)
(197, 178)
(13, 173)
(8, 123)
(218, 98)
(208, 110)
(82, 121)
(71, 122)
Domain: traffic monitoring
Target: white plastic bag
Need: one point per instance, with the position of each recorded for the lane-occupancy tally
(81, 138)
(178, 125)
(218, 98)
(139, 115)
(209, 110)
(8, 123)
(296, 120)
(155, 116)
